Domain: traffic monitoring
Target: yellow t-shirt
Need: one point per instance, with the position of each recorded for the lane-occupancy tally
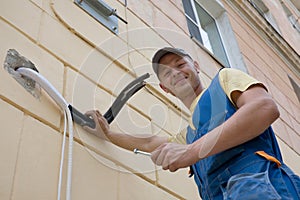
(230, 80)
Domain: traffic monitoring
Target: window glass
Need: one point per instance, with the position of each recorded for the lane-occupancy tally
(188, 8)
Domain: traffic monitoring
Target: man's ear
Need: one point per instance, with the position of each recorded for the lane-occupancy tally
(164, 88)
(197, 67)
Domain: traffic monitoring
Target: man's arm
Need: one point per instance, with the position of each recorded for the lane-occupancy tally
(147, 143)
(256, 112)
(142, 142)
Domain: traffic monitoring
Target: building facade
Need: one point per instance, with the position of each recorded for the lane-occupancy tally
(90, 50)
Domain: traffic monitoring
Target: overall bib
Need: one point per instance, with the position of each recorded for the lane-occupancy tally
(240, 172)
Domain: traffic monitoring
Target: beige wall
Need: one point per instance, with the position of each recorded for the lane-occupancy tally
(89, 65)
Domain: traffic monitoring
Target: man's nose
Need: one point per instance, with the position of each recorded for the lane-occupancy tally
(175, 72)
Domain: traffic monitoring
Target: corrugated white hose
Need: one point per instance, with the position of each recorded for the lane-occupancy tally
(58, 98)
(62, 157)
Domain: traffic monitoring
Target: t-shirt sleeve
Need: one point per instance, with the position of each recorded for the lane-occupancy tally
(179, 138)
(236, 80)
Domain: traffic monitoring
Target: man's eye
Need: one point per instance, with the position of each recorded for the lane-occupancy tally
(180, 65)
(167, 73)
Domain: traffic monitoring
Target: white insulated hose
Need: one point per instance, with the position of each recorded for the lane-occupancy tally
(58, 98)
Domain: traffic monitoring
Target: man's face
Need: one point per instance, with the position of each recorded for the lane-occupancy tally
(178, 75)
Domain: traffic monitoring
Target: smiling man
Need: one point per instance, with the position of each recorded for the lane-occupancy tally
(229, 143)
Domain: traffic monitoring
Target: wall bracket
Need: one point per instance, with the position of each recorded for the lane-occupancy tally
(101, 12)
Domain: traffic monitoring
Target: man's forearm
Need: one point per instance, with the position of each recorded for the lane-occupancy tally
(143, 142)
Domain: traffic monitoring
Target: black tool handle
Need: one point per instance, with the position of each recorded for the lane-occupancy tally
(124, 95)
(80, 118)
(117, 105)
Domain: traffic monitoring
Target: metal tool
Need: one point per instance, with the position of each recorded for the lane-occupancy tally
(124, 95)
(136, 151)
(117, 105)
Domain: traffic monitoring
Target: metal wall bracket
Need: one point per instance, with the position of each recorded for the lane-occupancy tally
(102, 12)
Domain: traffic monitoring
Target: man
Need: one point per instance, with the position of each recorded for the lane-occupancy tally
(230, 145)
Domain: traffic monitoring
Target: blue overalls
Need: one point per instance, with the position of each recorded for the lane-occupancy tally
(238, 173)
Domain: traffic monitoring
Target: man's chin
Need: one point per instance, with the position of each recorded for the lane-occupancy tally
(184, 88)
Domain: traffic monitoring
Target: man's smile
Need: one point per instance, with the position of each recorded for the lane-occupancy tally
(179, 80)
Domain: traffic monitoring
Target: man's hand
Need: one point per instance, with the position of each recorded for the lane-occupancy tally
(172, 156)
(102, 127)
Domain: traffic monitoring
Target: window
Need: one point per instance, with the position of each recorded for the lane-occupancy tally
(263, 10)
(296, 87)
(209, 26)
(203, 28)
(294, 21)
